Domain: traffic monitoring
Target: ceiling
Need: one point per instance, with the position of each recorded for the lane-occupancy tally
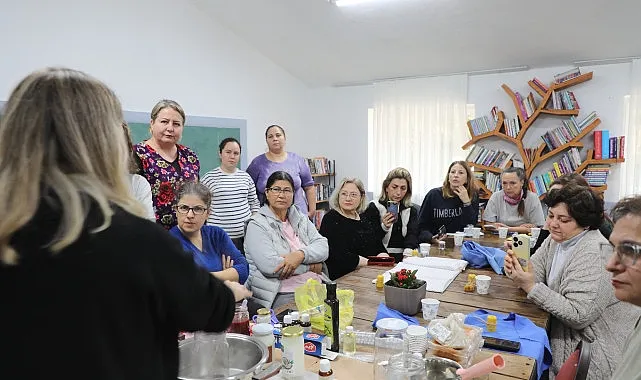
(323, 45)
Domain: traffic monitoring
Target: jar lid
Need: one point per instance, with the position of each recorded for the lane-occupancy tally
(263, 311)
(325, 366)
(292, 331)
(304, 317)
(294, 315)
(262, 329)
(287, 319)
(392, 324)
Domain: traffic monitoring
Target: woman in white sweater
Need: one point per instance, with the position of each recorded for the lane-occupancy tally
(568, 279)
(139, 186)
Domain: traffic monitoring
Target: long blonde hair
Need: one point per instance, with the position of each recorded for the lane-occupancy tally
(61, 133)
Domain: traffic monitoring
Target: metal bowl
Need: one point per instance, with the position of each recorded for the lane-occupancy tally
(246, 356)
(441, 368)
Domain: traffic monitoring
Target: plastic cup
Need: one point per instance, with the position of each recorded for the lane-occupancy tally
(458, 238)
(503, 232)
(483, 284)
(476, 232)
(535, 231)
(468, 231)
(430, 308)
(441, 245)
(424, 249)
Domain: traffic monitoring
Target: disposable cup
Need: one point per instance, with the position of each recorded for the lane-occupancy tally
(458, 239)
(476, 232)
(424, 249)
(483, 284)
(503, 232)
(430, 308)
(535, 231)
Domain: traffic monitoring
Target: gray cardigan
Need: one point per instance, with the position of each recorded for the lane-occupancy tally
(583, 306)
(265, 242)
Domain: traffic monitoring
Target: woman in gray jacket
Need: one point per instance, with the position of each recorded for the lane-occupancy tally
(567, 278)
(282, 245)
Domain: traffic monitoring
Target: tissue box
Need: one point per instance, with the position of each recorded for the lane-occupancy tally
(313, 344)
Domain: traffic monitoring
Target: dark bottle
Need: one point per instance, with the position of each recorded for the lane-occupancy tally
(331, 316)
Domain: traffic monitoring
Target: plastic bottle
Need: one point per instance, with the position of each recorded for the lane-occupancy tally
(325, 370)
(277, 335)
(349, 341)
(305, 323)
(331, 316)
(295, 318)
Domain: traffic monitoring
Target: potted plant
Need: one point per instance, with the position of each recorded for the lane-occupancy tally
(403, 292)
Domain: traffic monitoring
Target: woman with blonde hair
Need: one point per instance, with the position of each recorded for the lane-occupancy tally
(351, 238)
(164, 162)
(74, 257)
(451, 207)
(393, 214)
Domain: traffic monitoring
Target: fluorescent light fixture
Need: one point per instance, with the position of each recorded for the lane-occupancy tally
(348, 3)
(606, 61)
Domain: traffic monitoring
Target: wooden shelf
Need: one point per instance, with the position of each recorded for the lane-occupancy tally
(489, 168)
(589, 160)
(572, 82)
(540, 157)
(536, 88)
(323, 175)
(323, 201)
(596, 189)
(561, 112)
(495, 132)
(482, 186)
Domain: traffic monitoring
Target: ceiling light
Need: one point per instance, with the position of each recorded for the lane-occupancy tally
(347, 3)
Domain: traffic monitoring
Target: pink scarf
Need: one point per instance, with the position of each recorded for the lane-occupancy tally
(513, 201)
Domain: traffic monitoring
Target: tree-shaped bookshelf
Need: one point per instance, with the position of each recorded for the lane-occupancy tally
(542, 153)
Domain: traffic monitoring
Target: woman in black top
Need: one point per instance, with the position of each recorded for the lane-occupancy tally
(88, 287)
(395, 219)
(351, 239)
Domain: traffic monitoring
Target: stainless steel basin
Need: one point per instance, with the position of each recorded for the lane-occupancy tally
(246, 356)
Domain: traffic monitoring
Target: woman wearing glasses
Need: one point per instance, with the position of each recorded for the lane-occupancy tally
(210, 246)
(567, 278)
(625, 267)
(282, 245)
(351, 239)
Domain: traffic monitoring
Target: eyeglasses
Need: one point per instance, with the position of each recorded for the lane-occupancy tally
(197, 210)
(627, 253)
(350, 195)
(278, 190)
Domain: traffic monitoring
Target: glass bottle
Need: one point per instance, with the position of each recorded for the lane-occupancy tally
(240, 323)
(295, 316)
(406, 366)
(325, 370)
(265, 333)
(349, 341)
(210, 358)
(263, 316)
(389, 340)
(293, 356)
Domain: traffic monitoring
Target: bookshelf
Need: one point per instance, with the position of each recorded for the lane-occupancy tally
(564, 140)
(324, 174)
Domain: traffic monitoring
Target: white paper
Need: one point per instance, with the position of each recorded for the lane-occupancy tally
(466, 235)
(437, 279)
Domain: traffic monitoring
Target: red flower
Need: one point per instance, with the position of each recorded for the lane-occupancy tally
(165, 194)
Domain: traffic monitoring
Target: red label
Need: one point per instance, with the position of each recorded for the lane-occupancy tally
(310, 347)
(312, 336)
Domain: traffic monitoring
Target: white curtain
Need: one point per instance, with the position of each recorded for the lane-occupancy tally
(631, 168)
(420, 125)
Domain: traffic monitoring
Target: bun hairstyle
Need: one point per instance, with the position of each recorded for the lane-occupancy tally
(520, 173)
(278, 176)
(584, 206)
(275, 126)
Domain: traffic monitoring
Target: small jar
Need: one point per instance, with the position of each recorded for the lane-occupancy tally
(287, 320)
(264, 332)
(293, 357)
(240, 323)
(263, 316)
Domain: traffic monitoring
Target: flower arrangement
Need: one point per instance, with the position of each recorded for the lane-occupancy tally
(405, 279)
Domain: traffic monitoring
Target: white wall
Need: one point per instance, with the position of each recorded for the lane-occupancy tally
(340, 114)
(147, 50)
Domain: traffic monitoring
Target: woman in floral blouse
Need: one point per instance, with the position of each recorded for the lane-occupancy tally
(164, 162)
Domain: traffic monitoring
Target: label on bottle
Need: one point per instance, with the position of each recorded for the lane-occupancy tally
(328, 322)
(287, 362)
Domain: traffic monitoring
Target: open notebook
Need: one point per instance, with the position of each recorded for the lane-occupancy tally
(438, 272)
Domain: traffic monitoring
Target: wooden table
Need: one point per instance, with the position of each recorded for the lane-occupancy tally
(503, 297)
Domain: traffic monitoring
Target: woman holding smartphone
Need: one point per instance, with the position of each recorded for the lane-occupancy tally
(451, 207)
(395, 219)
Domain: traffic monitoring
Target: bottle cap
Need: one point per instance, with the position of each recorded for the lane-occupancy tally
(287, 319)
(491, 319)
(292, 331)
(325, 365)
(349, 329)
(304, 317)
(278, 326)
(263, 311)
(294, 315)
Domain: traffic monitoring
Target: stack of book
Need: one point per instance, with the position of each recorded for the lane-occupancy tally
(320, 165)
(596, 174)
(493, 182)
(567, 75)
(512, 127)
(481, 125)
(566, 132)
(323, 191)
(568, 163)
(564, 100)
(540, 84)
(606, 147)
(491, 158)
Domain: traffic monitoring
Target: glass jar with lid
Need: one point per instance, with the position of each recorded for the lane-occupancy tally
(388, 341)
(263, 315)
(293, 352)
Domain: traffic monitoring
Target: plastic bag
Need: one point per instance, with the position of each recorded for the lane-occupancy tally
(310, 298)
(452, 339)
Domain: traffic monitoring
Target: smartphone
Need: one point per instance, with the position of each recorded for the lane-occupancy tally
(521, 248)
(442, 230)
(501, 344)
(393, 208)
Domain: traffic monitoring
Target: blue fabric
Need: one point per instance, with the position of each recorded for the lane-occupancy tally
(385, 312)
(534, 339)
(216, 243)
(479, 256)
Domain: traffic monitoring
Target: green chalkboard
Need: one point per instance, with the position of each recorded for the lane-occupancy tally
(203, 140)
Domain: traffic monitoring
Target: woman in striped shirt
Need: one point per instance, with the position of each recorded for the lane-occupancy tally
(233, 193)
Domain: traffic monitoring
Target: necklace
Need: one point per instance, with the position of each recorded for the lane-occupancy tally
(355, 217)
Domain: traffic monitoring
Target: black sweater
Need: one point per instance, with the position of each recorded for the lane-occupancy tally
(397, 240)
(348, 239)
(109, 306)
(437, 211)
